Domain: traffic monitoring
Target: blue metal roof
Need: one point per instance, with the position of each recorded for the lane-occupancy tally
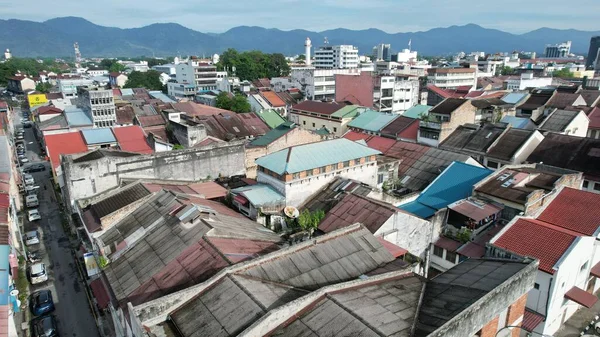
(310, 156)
(98, 136)
(518, 122)
(77, 117)
(453, 184)
(260, 194)
(160, 95)
(371, 120)
(514, 97)
(4, 267)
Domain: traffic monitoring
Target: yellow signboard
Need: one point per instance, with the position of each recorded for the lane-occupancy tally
(36, 99)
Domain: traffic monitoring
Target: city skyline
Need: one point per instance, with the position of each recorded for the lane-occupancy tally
(387, 15)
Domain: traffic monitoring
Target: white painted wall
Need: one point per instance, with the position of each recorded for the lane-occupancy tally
(407, 231)
(578, 126)
(530, 145)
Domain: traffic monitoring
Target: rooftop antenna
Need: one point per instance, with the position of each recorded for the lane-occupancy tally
(326, 41)
(409, 43)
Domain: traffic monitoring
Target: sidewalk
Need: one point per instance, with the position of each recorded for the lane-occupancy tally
(583, 318)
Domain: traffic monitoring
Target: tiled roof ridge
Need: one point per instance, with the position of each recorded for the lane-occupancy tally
(551, 226)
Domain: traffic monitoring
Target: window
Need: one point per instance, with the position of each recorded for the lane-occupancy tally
(597, 186)
(346, 163)
(322, 169)
(583, 266)
(438, 251)
(451, 257)
(313, 125)
(492, 164)
(586, 184)
(380, 179)
(303, 122)
(429, 134)
(309, 173)
(296, 176)
(334, 129)
(536, 286)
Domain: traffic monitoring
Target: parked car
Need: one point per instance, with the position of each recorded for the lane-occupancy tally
(34, 168)
(33, 215)
(27, 124)
(19, 136)
(41, 302)
(31, 200)
(28, 179)
(44, 326)
(24, 160)
(32, 238)
(37, 273)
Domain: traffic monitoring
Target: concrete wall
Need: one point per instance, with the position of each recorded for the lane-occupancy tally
(409, 232)
(490, 306)
(578, 126)
(337, 127)
(464, 114)
(527, 148)
(188, 135)
(356, 89)
(86, 179)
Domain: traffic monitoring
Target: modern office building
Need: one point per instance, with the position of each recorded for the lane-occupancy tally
(560, 50)
(382, 52)
(340, 57)
(201, 73)
(593, 52)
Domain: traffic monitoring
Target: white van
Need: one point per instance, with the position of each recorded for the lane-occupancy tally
(32, 201)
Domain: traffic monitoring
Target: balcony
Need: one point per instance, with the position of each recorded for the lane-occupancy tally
(430, 125)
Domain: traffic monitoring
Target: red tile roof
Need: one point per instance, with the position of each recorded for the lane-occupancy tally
(529, 237)
(63, 144)
(380, 143)
(355, 135)
(273, 98)
(439, 91)
(125, 115)
(48, 110)
(352, 209)
(158, 131)
(195, 109)
(132, 139)
(575, 210)
(396, 251)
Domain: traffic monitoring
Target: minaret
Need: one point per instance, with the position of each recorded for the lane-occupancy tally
(307, 46)
(77, 55)
(7, 54)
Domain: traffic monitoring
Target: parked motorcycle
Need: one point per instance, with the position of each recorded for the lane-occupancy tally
(33, 257)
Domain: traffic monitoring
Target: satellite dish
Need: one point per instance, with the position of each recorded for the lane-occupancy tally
(14, 292)
(291, 212)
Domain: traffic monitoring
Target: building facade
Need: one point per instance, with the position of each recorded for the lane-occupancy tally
(336, 57)
(592, 57)
(200, 73)
(560, 50)
(452, 77)
(98, 104)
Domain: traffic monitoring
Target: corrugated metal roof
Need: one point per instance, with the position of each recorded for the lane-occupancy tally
(309, 156)
(514, 97)
(77, 117)
(518, 122)
(159, 95)
(127, 92)
(271, 118)
(352, 209)
(348, 111)
(274, 134)
(260, 194)
(417, 111)
(418, 209)
(132, 139)
(63, 144)
(98, 136)
(371, 120)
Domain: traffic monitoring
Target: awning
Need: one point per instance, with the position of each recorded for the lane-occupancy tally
(396, 251)
(100, 293)
(595, 271)
(531, 320)
(475, 210)
(448, 244)
(90, 264)
(240, 200)
(582, 297)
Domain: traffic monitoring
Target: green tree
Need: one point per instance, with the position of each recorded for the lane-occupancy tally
(43, 87)
(149, 80)
(504, 71)
(116, 68)
(309, 221)
(237, 103)
(223, 101)
(563, 73)
(252, 65)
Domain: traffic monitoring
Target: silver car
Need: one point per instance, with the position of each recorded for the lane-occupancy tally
(33, 215)
(32, 238)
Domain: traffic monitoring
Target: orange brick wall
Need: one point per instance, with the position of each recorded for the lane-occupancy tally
(515, 311)
(490, 329)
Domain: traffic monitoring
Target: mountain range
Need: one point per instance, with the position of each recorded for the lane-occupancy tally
(55, 37)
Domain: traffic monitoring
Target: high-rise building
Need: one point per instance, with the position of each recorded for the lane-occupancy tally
(336, 57)
(382, 52)
(593, 52)
(558, 50)
(98, 104)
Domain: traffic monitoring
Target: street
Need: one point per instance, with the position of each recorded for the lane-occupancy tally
(73, 313)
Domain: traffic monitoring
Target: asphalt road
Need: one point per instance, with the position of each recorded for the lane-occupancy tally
(73, 313)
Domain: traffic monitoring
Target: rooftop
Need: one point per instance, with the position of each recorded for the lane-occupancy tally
(535, 101)
(518, 122)
(574, 210)
(570, 152)
(314, 155)
(469, 138)
(447, 106)
(594, 117)
(561, 100)
(271, 118)
(273, 98)
(355, 208)
(558, 120)
(260, 195)
(334, 192)
(371, 120)
(63, 144)
(509, 143)
(417, 111)
(132, 139)
(590, 96)
(514, 97)
(98, 136)
(515, 184)
(77, 117)
(534, 238)
(322, 108)
(455, 183)
(151, 120)
(273, 134)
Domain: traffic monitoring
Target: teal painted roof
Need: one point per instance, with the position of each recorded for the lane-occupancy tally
(77, 117)
(371, 120)
(273, 135)
(416, 111)
(348, 111)
(98, 136)
(310, 156)
(514, 97)
(271, 118)
(260, 194)
(323, 131)
(453, 184)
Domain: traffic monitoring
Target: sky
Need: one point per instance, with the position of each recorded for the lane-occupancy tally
(392, 16)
